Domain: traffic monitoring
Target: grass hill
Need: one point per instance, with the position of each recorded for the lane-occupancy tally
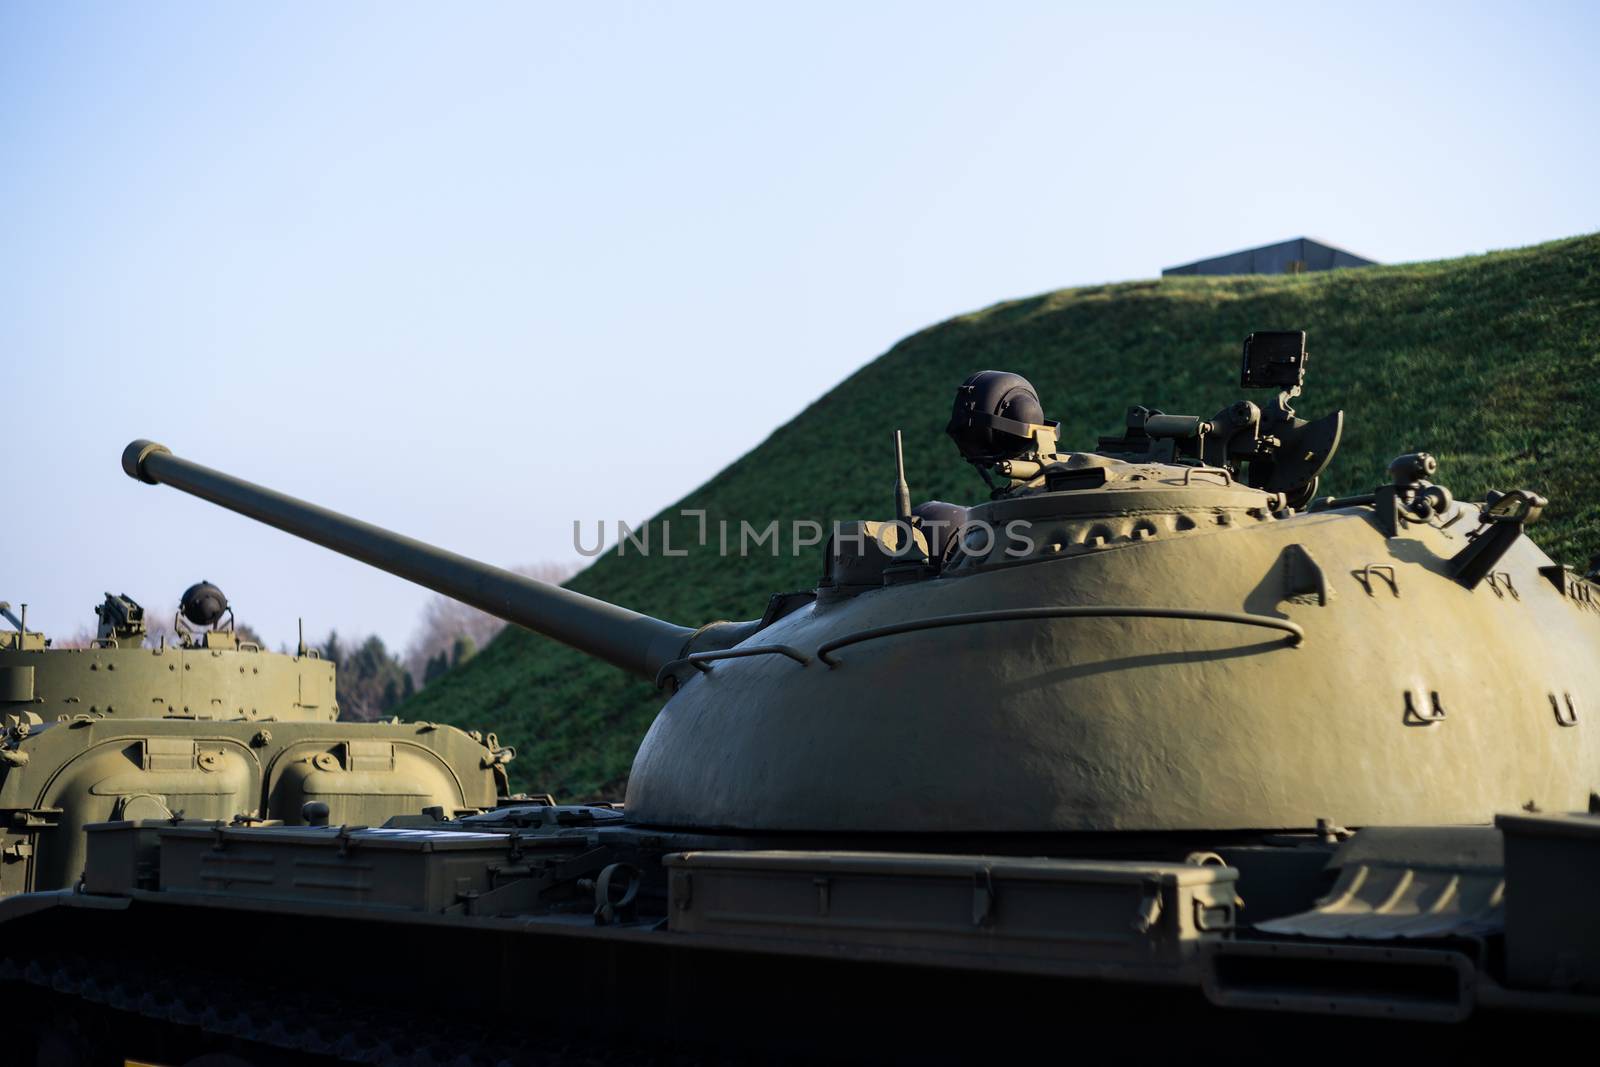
(1492, 363)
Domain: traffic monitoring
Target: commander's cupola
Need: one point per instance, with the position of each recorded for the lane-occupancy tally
(999, 426)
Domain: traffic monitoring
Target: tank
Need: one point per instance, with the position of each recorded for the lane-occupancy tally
(1153, 744)
(206, 726)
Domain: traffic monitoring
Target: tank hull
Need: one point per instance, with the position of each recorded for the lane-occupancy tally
(713, 944)
(89, 771)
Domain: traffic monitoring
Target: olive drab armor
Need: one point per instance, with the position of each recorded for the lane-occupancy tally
(207, 726)
(1150, 741)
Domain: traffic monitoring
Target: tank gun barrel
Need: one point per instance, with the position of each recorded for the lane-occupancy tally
(637, 643)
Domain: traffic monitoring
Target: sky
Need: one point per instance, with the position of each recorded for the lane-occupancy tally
(473, 272)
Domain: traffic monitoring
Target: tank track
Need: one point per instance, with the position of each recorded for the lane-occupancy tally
(358, 1030)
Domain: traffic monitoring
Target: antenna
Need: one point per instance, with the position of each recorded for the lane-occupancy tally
(301, 623)
(908, 550)
(902, 492)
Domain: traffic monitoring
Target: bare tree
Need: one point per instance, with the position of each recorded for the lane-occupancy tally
(445, 622)
(158, 629)
(83, 637)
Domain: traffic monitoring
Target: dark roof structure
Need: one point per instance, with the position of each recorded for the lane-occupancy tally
(1295, 256)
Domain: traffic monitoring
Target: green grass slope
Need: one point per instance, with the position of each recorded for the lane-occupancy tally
(1492, 363)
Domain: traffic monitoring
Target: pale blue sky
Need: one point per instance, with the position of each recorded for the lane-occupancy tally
(474, 271)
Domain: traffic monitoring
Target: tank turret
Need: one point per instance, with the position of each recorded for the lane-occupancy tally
(1167, 633)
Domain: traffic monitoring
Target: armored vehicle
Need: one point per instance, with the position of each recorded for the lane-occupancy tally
(1155, 749)
(208, 726)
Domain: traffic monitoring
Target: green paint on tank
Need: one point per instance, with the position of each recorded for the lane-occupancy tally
(1189, 639)
(206, 727)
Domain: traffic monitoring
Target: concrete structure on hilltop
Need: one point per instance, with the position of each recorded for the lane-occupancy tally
(1287, 257)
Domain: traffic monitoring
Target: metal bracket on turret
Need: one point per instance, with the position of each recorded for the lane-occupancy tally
(781, 604)
(33, 818)
(681, 670)
(1303, 578)
(1504, 518)
(1581, 591)
(1410, 497)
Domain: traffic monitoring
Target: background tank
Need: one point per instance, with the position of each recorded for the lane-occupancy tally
(206, 726)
